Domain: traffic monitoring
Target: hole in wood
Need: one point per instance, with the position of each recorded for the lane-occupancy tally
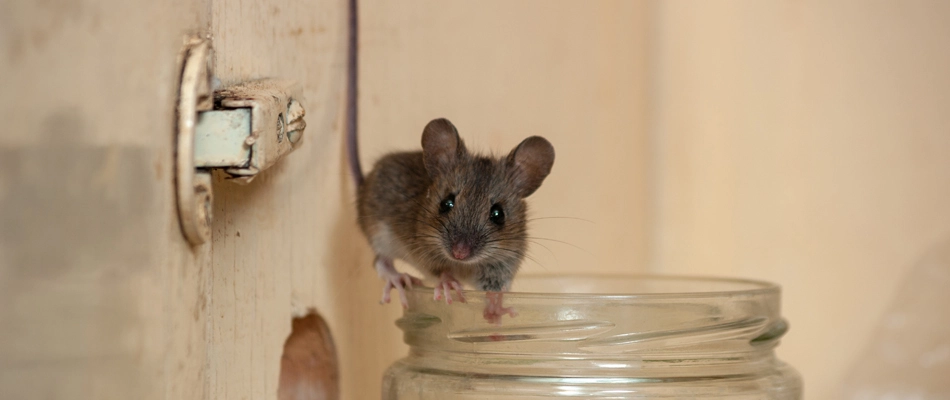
(309, 369)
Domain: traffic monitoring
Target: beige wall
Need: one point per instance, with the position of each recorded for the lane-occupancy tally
(806, 143)
(800, 142)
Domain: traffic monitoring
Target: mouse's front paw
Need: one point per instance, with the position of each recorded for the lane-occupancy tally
(447, 283)
(400, 282)
(494, 309)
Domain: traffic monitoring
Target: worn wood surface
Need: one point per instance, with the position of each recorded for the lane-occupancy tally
(101, 297)
(287, 241)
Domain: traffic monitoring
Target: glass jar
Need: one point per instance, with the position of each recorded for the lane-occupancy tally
(606, 337)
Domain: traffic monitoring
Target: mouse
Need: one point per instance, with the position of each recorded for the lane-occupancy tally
(457, 216)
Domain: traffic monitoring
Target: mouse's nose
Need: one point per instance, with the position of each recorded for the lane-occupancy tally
(461, 250)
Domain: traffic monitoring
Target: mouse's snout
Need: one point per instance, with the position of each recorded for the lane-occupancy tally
(461, 250)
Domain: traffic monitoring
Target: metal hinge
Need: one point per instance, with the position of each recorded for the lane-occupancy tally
(242, 130)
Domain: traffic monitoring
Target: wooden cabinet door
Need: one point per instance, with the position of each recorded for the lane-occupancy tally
(102, 297)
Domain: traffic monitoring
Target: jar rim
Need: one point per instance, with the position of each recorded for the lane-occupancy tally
(712, 286)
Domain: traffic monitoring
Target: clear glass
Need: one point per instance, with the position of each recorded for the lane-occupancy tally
(607, 337)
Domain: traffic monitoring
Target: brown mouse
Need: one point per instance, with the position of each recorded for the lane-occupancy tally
(454, 215)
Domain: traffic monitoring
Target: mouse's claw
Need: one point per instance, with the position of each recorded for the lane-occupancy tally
(400, 282)
(494, 309)
(446, 284)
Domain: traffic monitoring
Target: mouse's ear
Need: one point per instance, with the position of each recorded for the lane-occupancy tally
(529, 164)
(441, 146)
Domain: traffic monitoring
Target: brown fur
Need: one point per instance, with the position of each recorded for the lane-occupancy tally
(399, 206)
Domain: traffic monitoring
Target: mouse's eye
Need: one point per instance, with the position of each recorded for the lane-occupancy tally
(447, 204)
(496, 214)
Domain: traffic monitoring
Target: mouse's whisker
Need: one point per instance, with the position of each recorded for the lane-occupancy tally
(567, 218)
(513, 236)
(536, 261)
(545, 247)
(517, 253)
(427, 253)
(562, 242)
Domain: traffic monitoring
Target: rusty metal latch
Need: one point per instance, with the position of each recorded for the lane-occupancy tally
(242, 130)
